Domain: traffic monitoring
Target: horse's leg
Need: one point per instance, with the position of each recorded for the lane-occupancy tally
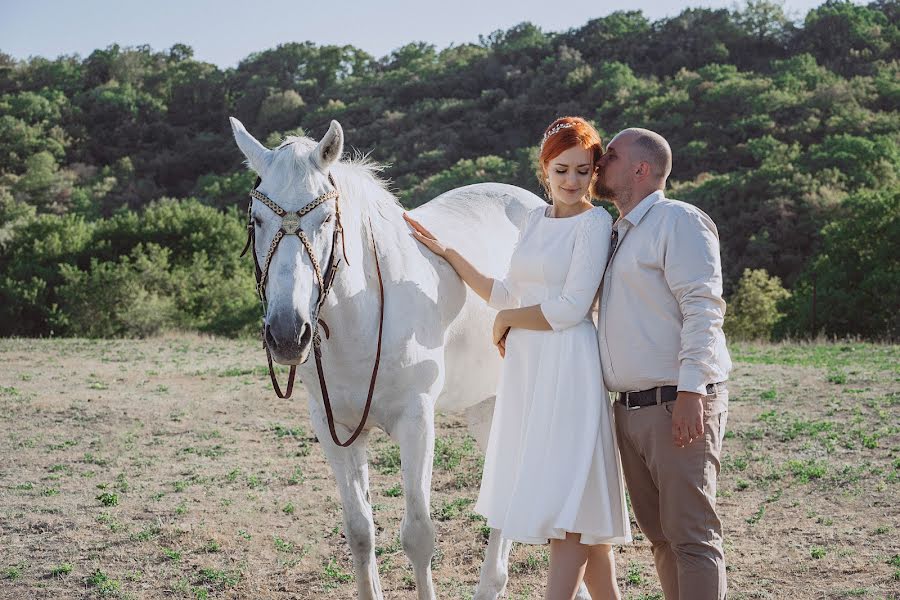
(494, 574)
(351, 471)
(414, 431)
(494, 569)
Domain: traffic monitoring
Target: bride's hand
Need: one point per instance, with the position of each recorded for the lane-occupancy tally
(501, 329)
(426, 237)
(501, 345)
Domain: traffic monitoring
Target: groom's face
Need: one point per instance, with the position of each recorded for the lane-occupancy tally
(612, 170)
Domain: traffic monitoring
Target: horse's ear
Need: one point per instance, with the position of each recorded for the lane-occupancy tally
(257, 155)
(330, 148)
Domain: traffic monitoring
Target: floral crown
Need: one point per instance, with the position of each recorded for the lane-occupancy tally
(554, 130)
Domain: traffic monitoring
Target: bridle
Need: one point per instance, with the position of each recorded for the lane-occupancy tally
(290, 225)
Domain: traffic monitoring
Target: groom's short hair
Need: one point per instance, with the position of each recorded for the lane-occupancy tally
(652, 148)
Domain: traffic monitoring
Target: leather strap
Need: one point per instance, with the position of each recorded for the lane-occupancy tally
(325, 282)
(321, 371)
(291, 374)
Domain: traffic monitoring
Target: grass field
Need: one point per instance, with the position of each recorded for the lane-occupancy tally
(167, 468)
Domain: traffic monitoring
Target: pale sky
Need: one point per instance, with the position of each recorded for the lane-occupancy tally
(225, 31)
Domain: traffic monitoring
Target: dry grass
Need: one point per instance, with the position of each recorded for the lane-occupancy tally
(167, 468)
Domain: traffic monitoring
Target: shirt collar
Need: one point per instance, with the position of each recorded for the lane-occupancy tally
(637, 213)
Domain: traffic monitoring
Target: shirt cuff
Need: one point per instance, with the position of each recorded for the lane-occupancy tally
(691, 379)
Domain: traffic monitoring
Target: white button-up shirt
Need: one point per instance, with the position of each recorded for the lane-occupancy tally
(661, 307)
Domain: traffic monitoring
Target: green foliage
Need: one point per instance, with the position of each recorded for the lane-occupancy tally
(753, 308)
(132, 297)
(31, 122)
(464, 172)
(862, 161)
(225, 190)
(856, 278)
(30, 271)
(849, 36)
(280, 110)
(174, 265)
(778, 129)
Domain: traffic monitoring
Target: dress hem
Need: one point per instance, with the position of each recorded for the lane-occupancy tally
(592, 539)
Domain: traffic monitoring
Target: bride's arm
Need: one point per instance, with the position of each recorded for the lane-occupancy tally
(480, 283)
(527, 317)
(580, 288)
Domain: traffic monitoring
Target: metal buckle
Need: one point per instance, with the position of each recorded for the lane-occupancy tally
(628, 405)
(290, 223)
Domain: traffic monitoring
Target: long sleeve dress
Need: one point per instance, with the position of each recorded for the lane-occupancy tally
(552, 464)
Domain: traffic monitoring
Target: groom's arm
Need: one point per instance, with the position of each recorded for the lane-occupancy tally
(693, 272)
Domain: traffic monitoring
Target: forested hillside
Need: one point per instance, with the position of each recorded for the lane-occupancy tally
(121, 188)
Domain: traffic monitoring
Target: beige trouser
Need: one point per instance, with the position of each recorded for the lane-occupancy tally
(673, 494)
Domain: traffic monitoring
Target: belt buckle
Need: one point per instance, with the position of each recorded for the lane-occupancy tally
(628, 401)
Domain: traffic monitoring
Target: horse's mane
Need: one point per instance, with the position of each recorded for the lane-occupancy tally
(357, 176)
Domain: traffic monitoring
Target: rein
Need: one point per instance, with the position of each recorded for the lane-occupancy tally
(290, 225)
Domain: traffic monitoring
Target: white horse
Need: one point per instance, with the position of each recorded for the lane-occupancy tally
(437, 352)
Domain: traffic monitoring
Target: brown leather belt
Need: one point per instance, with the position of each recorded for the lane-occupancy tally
(660, 395)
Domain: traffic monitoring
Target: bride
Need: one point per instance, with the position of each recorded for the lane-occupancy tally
(552, 471)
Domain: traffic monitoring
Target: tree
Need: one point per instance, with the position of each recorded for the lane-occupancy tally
(522, 37)
(773, 126)
(753, 308)
(464, 172)
(862, 161)
(621, 36)
(848, 37)
(856, 276)
(280, 111)
(765, 21)
(695, 37)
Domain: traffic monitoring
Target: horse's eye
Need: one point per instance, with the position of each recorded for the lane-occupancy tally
(257, 221)
(328, 219)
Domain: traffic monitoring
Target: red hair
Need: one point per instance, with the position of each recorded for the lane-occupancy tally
(567, 132)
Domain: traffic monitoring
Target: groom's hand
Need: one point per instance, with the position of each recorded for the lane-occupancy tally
(687, 418)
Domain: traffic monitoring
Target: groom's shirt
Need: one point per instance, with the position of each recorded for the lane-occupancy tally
(661, 307)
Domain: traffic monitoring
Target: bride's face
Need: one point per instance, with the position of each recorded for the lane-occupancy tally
(569, 175)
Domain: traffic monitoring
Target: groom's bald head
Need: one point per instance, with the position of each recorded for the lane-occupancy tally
(650, 147)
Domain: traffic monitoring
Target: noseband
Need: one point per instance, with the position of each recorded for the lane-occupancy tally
(290, 225)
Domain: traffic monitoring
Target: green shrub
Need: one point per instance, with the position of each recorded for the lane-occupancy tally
(753, 308)
(132, 297)
(176, 264)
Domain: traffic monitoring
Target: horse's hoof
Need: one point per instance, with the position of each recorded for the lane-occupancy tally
(489, 595)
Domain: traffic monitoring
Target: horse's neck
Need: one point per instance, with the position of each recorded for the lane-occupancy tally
(403, 265)
(355, 297)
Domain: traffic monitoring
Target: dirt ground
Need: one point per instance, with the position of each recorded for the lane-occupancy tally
(167, 468)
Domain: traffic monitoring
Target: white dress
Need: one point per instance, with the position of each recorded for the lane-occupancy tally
(552, 465)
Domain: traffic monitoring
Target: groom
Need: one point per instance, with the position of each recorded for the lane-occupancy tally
(663, 352)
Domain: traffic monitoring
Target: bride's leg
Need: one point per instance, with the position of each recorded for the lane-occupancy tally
(568, 559)
(600, 573)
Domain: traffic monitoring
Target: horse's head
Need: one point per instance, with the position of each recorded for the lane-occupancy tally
(294, 177)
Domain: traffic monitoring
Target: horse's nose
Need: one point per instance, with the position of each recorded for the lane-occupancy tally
(271, 342)
(305, 337)
(288, 346)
